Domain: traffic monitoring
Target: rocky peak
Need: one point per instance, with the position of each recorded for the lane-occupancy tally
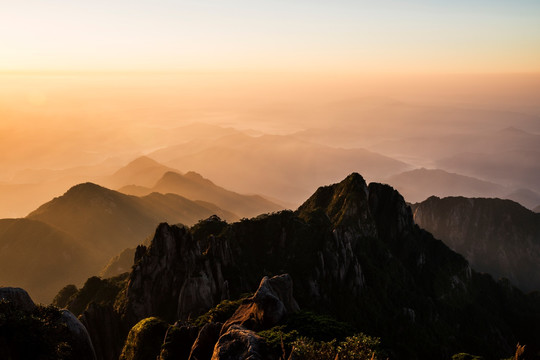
(340, 202)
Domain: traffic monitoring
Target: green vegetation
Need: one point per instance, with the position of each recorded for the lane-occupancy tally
(221, 312)
(38, 334)
(62, 298)
(144, 340)
(95, 289)
(318, 327)
(465, 356)
(316, 334)
(357, 347)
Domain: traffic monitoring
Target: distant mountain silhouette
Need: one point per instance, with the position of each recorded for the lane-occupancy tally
(76, 234)
(419, 184)
(280, 166)
(496, 236)
(41, 258)
(142, 171)
(193, 186)
(518, 168)
(525, 197)
(110, 221)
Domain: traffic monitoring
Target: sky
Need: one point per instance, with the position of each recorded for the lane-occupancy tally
(475, 36)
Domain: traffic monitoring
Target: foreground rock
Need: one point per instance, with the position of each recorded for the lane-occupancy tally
(239, 343)
(28, 331)
(271, 303)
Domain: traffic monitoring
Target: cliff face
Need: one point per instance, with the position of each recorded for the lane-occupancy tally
(496, 236)
(353, 251)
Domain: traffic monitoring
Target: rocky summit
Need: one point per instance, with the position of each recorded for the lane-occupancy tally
(354, 255)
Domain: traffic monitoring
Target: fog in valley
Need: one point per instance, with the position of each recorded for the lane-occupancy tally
(279, 135)
(92, 162)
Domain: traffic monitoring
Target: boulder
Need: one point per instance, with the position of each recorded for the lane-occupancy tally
(268, 306)
(239, 343)
(81, 344)
(18, 297)
(144, 340)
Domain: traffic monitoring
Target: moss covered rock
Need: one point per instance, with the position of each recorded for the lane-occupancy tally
(144, 340)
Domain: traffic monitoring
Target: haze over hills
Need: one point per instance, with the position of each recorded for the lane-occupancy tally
(142, 171)
(496, 236)
(111, 221)
(193, 186)
(508, 156)
(514, 168)
(29, 188)
(42, 258)
(75, 235)
(404, 129)
(280, 166)
(525, 197)
(419, 184)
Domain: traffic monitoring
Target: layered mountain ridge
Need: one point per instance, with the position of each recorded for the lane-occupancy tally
(194, 186)
(352, 250)
(74, 235)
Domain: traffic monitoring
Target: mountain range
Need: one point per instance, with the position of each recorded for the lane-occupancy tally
(81, 230)
(282, 167)
(419, 184)
(354, 254)
(193, 186)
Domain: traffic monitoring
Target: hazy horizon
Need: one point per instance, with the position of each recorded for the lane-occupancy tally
(87, 87)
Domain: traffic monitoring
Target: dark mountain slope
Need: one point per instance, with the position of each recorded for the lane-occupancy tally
(497, 236)
(39, 257)
(354, 252)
